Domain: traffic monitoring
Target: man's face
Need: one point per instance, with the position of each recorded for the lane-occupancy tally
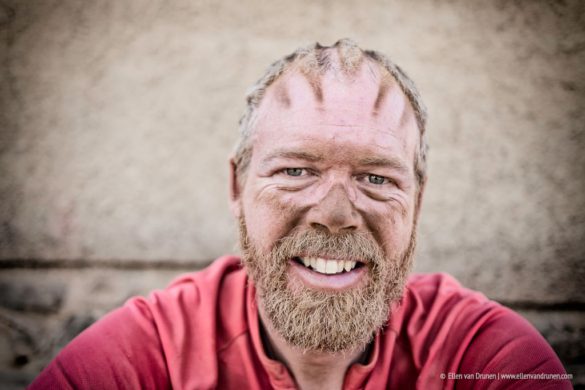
(327, 210)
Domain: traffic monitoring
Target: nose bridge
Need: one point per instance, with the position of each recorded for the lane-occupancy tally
(335, 210)
(337, 196)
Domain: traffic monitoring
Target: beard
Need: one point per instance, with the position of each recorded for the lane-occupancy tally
(326, 321)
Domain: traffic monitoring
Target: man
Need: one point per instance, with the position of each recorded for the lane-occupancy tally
(326, 183)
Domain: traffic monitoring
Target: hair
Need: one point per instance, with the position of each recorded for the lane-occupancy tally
(315, 60)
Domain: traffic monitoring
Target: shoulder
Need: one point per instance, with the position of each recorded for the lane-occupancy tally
(196, 316)
(436, 312)
(441, 305)
(439, 286)
(438, 299)
(449, 328)
(147, 342)
(210, 302)
(217, 290)
(198, 288)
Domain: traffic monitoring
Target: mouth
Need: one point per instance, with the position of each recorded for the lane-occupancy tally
(328, 266)
(328, 274)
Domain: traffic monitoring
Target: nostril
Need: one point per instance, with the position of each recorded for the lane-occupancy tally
(333, 229)
(318, 226)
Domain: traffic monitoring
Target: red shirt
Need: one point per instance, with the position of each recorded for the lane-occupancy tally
(202, 332)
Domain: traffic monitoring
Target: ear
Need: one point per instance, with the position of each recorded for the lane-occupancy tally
(235, 190)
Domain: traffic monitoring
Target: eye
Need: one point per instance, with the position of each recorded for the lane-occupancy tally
(294, 171)
(376, 179)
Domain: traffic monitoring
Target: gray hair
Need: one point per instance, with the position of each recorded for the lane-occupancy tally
(315, 60)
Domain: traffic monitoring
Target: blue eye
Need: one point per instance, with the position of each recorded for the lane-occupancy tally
(375, 179)
(294, 171)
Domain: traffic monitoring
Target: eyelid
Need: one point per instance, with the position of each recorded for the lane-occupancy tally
(305, 171)
(385, 180)
(365, 178)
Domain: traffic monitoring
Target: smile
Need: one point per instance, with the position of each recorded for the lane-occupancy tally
(328, 266)
(327, 274)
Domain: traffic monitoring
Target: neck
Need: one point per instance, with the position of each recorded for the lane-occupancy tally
(310, 369)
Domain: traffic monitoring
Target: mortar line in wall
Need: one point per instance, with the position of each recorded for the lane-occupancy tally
(570, 305)
(113, 264)
(194, 265)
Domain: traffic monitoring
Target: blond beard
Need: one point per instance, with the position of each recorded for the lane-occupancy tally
(315, 320)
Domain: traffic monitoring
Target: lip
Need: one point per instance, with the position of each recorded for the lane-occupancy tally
(327, 282)
(327, 257)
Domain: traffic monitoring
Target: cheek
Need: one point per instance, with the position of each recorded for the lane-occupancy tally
(397, 241)
(270, 216)
(391, 226)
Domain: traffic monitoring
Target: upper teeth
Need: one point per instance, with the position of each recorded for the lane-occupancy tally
(326, 266)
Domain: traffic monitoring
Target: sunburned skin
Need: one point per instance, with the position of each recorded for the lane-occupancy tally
(365, 106)
(335, 145)
(335, 154)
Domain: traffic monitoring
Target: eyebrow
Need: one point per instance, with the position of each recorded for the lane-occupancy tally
(292, 154)
(372, 161)
(393, 163)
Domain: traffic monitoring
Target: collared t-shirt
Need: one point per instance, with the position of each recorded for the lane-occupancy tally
(203, 332)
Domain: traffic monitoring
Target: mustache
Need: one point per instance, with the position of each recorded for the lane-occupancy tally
(358, 246)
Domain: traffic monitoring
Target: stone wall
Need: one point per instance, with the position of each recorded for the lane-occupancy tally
(117, 118)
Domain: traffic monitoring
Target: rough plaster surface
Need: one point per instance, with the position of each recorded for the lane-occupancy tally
(117, 118)
(73, 299)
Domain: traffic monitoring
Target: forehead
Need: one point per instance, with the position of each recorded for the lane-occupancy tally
(367, 108)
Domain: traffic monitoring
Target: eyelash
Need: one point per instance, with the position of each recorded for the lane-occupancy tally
(286, 171)
(385, 180)
(368, 177)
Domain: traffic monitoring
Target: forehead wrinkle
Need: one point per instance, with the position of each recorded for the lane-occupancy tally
(292, 154)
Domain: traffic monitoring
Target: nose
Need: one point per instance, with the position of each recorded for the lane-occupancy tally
(335, 212)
